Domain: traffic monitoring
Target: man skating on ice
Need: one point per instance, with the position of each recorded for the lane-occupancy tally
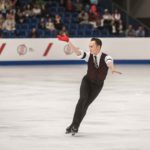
(92, 83)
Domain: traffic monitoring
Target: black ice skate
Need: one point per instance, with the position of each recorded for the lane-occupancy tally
(74, 130)
(68, 130)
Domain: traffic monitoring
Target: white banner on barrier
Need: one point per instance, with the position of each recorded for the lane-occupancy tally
(52, 49)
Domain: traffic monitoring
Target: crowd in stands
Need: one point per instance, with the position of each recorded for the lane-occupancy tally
(47, 18)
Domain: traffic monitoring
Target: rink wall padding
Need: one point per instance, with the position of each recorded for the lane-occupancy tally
(51, 51)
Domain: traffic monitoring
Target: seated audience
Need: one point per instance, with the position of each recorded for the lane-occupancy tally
(130, 32)
(140, 32)
(33, 33)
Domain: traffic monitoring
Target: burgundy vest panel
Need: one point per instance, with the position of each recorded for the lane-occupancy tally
(100, 73)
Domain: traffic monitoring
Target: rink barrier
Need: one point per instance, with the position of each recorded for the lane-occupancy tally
(51, 51)
(68, 62)
(52, 62)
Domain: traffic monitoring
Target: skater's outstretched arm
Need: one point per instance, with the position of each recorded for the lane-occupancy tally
(112, 68)
(75, 49)
(65, 38)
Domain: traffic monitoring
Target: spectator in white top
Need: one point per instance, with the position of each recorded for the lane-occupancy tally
(50, 25)
(36, 10)
(9, 24)
(9, 4)
(107, 17)
(107, 20)
(28, 11)
(116, 18)
(83, 17)
(2, 6)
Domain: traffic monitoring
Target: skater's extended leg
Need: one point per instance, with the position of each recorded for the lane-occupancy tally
(84, 94)
(95, 90)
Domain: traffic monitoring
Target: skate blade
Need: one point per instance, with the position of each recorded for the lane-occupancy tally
(67, 132)
(74, 133)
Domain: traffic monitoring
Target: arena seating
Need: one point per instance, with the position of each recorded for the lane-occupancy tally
(69, 20)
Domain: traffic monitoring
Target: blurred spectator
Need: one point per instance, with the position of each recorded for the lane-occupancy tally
(116, 18)
(58, 23)
(36, 10)
(94, 2)
(130, 32)
(9, 4)
(93, 15)
(5, 5)
(107, 20)
(121, 27)
(39, 11)
(114, 32)
(99, 23)
(14, 2)
(69, 5)
(50, 25)
(45, 12)
(1, 21)
(2, 6)
(140, 32)
(48, 4)
(117, 30)
(9, 24)
(64, 31)
(83, 17)
(42, 23)
(28, 11)
(20, 17)
(62, 2)
(33, 33)
(78, 5)
(87, 7)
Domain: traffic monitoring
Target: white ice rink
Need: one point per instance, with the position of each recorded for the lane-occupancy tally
(37, 104)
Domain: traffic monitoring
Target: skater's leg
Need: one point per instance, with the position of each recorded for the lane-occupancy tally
(84, 94)
(95, 90)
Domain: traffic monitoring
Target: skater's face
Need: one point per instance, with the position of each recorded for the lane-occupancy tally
(94, 48)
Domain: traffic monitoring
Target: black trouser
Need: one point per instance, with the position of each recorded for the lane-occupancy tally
(89, 90)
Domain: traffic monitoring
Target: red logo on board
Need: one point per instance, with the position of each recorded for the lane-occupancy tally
(47, 49)
(2, 47)
(22, 49)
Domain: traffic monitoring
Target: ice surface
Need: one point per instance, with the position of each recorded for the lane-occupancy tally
(37, 104)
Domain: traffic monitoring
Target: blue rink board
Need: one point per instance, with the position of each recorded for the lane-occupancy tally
(66, 62)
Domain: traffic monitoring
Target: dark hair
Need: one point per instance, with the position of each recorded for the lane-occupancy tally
(97, 41)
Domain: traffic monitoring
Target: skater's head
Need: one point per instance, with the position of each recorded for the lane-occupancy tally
(95, 46)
